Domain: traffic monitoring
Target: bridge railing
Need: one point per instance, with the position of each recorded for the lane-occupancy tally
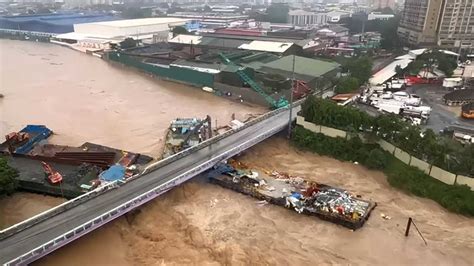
(150, 168)
(55, 210)
(215, 139)
(134, 203)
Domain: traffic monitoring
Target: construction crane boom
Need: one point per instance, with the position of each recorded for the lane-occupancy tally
(282, 102)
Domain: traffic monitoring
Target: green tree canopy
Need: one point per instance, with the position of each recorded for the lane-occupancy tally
(179, 30)
(347, 84)
(359, 68)
(7, 178)
(136, 12)
(277, 13)
(128, 43)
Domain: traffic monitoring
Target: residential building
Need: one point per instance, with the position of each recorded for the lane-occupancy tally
(419, 21)
(336, 16)
(448, 24)
(456, 27)
(302, 17)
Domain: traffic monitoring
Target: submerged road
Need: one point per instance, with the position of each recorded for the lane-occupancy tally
(45, 231)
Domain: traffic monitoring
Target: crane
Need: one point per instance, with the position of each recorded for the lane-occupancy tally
(276, 104)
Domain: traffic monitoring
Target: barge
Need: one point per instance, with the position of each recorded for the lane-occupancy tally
(326, 202)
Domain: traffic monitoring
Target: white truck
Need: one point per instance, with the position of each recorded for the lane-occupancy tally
(452, 83)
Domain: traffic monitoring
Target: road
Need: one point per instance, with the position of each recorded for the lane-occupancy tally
(440, 117)
(47, 230)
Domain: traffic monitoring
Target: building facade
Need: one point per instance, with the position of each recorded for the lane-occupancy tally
(448, 24)
(457, 24)
(302, 17)
(419, 21)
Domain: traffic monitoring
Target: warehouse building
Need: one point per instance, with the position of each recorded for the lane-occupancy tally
(156, 29)
(50, 23)
(315, 73)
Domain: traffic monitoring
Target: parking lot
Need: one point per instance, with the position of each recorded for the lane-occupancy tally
(441, 114)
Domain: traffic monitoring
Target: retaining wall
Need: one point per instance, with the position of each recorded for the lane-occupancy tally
(431, 170)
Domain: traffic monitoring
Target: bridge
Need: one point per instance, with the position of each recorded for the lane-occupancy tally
(32, 239)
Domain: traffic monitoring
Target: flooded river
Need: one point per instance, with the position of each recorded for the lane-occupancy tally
(85, 99)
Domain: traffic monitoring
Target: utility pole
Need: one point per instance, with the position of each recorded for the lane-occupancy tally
(291, 97)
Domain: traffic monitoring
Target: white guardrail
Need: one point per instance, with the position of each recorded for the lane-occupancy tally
(135, 202)
(98, 191)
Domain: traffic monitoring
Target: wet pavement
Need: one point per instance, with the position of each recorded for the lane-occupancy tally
(441, 114)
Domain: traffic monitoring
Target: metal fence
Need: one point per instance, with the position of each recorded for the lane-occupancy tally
(184, 75)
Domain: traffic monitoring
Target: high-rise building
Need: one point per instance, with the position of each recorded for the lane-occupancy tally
(457, 24)
(444, 23)
(419, 21)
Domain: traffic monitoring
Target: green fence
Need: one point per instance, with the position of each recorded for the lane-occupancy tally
(185, 75)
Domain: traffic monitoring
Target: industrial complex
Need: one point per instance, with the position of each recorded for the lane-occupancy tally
(306, 78)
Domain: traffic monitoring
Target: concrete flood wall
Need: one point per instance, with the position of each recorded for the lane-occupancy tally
(431, 170)
(179, 74)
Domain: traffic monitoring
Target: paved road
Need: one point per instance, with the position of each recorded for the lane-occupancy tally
(45, 231)
(440, 117)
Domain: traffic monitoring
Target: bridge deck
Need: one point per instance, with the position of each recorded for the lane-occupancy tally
(39, 234)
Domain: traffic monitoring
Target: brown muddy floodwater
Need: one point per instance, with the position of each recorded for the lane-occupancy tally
(200, 223)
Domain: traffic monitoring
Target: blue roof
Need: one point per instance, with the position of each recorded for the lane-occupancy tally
(51, 23)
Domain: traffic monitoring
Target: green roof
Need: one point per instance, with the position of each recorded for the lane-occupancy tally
(303, 66)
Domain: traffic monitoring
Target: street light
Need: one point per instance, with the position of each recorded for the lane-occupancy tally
(291, 97)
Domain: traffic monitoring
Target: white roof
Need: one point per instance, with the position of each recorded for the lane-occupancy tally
(407, 56)
(300, 12)
(71, 36)
(264, 46)
(186, 39)
(418, 51)
(449, 52)
(389, 71)
(139, 22)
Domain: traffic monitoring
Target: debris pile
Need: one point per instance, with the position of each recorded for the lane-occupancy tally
(294, 192)
(186, 132)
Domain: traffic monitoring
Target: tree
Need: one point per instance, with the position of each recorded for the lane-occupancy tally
(136, 12)
(360, 68)
(399, 70)
(347, 84)
(207, 8)
(179, 30)
(377, 159)
(128, 43)
(277, 13)
(8, 174)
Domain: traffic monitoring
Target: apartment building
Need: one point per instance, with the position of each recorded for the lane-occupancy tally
(443, 23)
(419, 21)
(457, 24)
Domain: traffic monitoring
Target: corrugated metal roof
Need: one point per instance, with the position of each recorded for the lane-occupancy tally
(273, 47)
(460, 95)
(303, 66)
(140, 22)
(222, 42)
(389, 71)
